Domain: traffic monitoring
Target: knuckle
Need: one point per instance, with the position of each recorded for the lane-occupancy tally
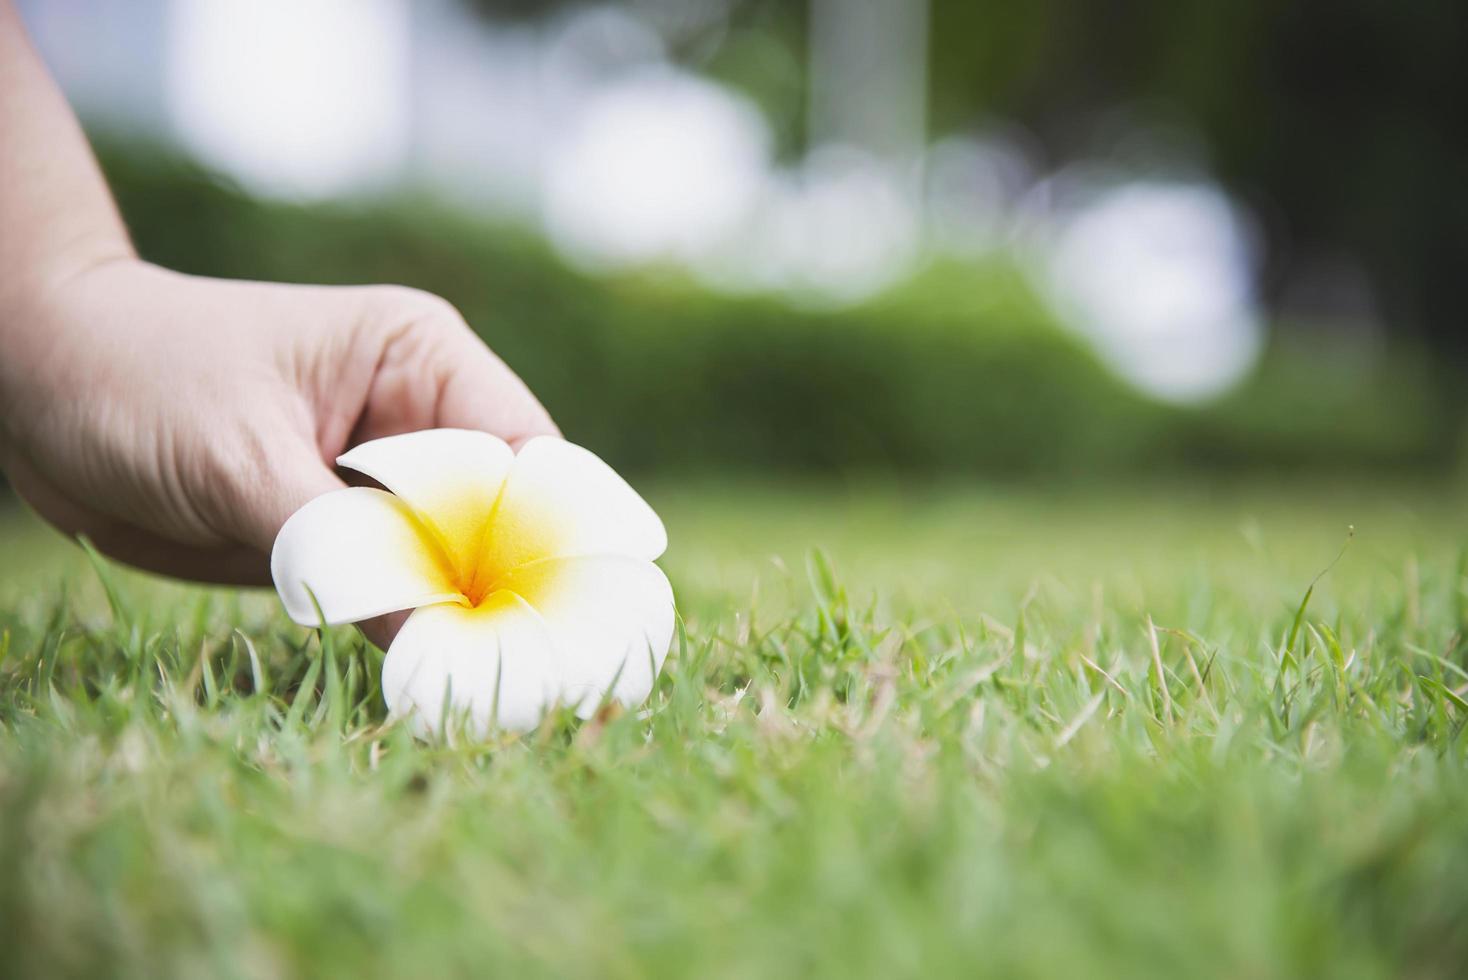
(405, 305)
(411, 325)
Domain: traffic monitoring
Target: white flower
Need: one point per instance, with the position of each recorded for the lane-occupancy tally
(531, 576)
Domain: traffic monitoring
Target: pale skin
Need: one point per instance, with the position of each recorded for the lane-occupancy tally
(177, 421)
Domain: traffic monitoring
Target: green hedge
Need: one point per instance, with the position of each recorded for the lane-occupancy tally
(960, 370)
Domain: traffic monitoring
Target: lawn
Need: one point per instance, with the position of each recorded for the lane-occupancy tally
(947, 731)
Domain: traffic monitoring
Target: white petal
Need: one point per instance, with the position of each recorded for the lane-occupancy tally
(561, 500)
(451, 477)
(494, 662)
(362, 553)
(611, 619)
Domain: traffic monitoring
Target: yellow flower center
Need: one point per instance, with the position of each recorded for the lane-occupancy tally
(474, 547)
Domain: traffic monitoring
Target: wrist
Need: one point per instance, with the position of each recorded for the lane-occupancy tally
(41, 329)
(42, 281)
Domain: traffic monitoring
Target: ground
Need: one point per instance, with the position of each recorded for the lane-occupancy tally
(1021, 732)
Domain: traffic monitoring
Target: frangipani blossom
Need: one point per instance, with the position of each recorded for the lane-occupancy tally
(530, 576)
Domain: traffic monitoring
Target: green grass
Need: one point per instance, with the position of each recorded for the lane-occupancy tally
(1046, 733)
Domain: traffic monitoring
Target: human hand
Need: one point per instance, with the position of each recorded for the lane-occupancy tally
(177, 421)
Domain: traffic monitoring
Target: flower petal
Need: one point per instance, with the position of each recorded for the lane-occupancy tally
(451, 477)
(611, 619)
(494, 661)
(362, 553)
(561, 500)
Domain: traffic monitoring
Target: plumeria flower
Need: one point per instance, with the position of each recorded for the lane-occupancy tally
(530, 576)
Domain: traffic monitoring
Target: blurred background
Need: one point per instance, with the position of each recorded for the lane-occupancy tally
(890, 237)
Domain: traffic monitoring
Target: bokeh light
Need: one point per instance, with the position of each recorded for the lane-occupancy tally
(656, 165)
(1160, 278)
(297, 99)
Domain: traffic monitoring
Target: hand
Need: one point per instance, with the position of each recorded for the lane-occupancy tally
(178, 421)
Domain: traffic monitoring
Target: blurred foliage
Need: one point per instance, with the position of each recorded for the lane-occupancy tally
(959, 371)
(1341, 122)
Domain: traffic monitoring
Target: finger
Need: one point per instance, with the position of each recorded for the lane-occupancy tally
(479, 391)
(151, 553)
(381, 629)
(135, 546)
(434, 371)
(273, 488)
